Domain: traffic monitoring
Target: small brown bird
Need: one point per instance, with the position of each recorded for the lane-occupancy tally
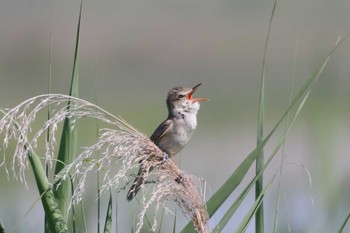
(173, 134)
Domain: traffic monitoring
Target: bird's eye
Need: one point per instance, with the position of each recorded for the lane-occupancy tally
(181, 96)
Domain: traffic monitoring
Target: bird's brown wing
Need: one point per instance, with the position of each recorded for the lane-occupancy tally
(161, 131)
(142, 174)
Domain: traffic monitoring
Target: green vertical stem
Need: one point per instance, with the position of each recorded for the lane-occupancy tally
(53, 214)
(68, 144)
(220, 196)
(98, 155)
(286, 126)
(46, 229)
(259, 216)
(108, 221)
(341, 229)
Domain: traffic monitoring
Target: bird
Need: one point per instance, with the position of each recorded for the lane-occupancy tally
(172, 135)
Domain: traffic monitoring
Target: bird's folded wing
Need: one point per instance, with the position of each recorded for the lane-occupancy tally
(162, 129)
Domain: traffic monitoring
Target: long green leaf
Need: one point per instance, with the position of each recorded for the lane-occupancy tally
(2, 228)
(55, 220)
(259, 218)
(283, 151)
(108, 221)
(46, 229)
(235, 179)
(68, 142)
(97, 153)
(225, 219)
(257, 204)
(230, 185)
(53, 214)
(344, 224)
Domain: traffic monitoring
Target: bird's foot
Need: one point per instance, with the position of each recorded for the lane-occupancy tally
(180, 178)
(165, 157)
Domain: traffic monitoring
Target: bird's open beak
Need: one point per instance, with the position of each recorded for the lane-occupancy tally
(189, 95)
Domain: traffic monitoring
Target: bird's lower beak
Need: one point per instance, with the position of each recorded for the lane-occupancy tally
(189, 95)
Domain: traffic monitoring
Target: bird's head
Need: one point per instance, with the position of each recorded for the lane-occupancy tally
(180, 100)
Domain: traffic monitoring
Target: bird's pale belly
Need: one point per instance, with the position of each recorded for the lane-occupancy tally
(174, 142)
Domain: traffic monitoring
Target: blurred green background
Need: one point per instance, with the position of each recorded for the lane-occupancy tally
(133, 52)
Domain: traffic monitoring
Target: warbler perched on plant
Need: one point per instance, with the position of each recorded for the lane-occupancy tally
(173, 134)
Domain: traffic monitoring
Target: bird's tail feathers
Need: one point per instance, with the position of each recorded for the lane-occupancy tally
(135, 187)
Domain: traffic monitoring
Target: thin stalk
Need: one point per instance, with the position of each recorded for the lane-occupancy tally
(286, 126)
(55, 219)
(246, 190)
(259, 216)
(344, 224)
(46, 229)
(108, 220)
(54, 216)
(221, 195)
(68, 144)
(98, 154)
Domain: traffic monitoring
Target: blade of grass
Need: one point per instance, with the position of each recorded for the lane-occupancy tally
(54, 216)
(46, 229)
(2, 228)
(246, 220)
(174, 226)
(344, 224)
(161, 221)
(19, 222)
(116, 214)
(259, 218)
(237, 176)
(98, 157)
(230, 185)
(68, 142)
(258, 202)
(108, 221)
(219, 227)
(287, 120)
(55, 219)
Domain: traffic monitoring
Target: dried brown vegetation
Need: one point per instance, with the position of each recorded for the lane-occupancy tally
(121, 148)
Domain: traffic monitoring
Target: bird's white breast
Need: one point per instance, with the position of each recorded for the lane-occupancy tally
(180, 133)
(181, 130)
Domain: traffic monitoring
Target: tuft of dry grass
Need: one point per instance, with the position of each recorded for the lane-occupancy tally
(172, 184)
(121, 148)
(185, 190)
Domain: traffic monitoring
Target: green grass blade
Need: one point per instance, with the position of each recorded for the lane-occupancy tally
(259, 200)
(344, 224)
(53, 214)
(174, 226)
(235, 179)
(245, 222)
(287, 120)
(2, 228)
(259, 218)
(97, 154)
(161, 221)
(230, 212)
(75, 72)
(108, 221)
(55, 220)
(244, 193)
(230, 185)
(68, 142)
(46, 229)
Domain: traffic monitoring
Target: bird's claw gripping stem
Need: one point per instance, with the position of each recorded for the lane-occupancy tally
(165, 157)
(180, 178)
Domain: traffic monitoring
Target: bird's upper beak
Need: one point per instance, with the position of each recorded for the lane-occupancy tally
(189, 95)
